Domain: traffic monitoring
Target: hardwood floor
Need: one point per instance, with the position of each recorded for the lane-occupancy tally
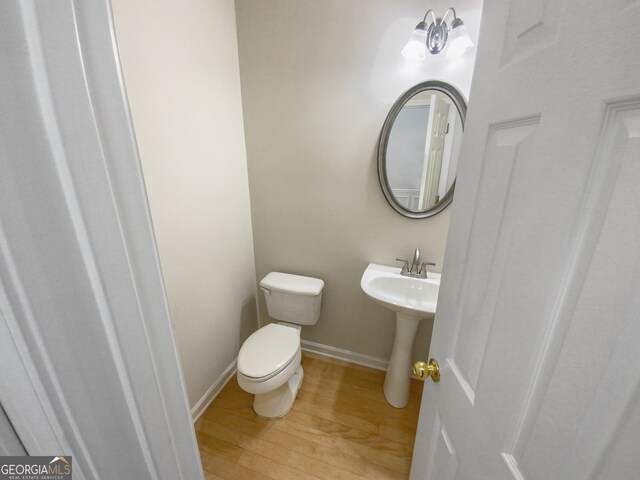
(340, 427)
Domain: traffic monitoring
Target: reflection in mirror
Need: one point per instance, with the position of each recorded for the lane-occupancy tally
(419, 149)
(422, 151)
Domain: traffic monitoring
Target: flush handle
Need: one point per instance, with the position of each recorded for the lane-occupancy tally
(425, 370)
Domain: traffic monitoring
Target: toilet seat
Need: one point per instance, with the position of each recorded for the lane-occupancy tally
(268, 351)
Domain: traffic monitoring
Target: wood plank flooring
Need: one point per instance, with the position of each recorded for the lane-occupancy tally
(340, 428)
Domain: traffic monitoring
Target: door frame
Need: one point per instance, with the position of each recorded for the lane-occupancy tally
(42, 415)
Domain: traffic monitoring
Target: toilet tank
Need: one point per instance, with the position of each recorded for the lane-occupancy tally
(293, 298)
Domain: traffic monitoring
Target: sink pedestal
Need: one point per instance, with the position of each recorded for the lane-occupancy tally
(397, 382)
(412, 299)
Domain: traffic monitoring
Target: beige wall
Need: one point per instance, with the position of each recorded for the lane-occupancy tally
(318, 79)
(180, 63)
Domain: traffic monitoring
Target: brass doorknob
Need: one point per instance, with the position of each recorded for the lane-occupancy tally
(424, 370)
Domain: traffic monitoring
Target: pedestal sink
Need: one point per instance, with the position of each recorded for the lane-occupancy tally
(412, 299)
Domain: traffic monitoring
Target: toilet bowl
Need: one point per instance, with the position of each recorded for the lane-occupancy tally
(269, 367)
(269, 360)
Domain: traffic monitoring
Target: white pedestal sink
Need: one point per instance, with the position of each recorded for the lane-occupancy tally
(412, 299)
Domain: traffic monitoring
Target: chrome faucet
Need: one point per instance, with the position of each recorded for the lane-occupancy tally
(415, 264)
(417, 269)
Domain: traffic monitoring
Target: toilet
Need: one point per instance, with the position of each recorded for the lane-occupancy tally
(269, 360)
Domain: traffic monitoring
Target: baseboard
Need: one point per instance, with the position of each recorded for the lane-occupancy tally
(213, 391)
(345, 355)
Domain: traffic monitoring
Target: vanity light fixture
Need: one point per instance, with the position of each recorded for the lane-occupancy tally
(433, 35)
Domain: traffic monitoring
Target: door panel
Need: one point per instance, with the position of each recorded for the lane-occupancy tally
(445, 462)
(593, 328)
(531, 26)
(536, 329)
(486, 270)
(9, 442)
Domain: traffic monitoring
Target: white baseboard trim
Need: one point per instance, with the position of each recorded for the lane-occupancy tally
(345, 355)
(210, 395)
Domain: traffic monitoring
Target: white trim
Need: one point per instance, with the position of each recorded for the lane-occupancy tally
(345, 355)
(418, 102)
(210, 395)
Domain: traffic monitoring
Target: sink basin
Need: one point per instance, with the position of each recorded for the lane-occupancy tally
(412, 299)
(411, 296)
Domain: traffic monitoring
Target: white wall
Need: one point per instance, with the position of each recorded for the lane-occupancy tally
(180, 63)
(318, 79)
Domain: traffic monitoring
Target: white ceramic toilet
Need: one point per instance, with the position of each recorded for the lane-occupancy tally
(269, 360)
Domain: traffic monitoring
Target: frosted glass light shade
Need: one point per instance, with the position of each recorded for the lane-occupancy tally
(459, 41)
(416, 47)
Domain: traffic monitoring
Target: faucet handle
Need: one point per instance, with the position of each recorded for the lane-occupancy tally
(405, 267)
(423, 267)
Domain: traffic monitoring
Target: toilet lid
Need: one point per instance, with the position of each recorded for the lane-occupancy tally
(268, 350)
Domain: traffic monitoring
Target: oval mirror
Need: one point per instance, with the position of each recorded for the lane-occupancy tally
(418, 149)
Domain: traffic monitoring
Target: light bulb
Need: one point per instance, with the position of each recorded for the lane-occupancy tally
(458, 40)
(416, 47)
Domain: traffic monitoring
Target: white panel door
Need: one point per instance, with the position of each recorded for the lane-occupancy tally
(434, 150)
(537, 331)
